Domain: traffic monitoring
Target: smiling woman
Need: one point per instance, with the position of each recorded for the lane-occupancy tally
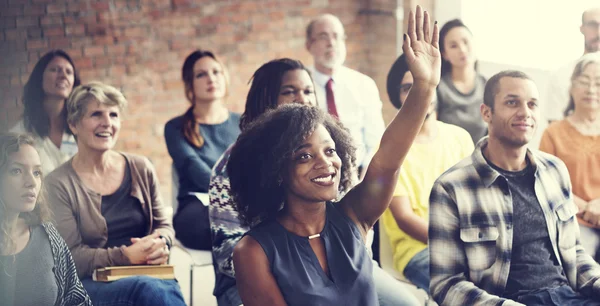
(288, 170)
(107, 205)
(50, 83)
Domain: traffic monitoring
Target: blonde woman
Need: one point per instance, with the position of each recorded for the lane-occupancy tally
(32, 253)
(576, 140)
(107, 203)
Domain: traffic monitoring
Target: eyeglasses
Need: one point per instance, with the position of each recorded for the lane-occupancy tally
(591, 24)
(586, 84)
(327, 37)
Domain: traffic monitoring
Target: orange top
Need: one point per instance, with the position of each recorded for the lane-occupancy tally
(579, 152)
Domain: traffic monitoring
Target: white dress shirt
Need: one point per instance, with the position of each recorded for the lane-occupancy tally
(358, 106)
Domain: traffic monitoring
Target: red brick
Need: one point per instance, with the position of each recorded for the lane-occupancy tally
(59, 43)
(14, 34)
(77, 7)
(74, 53)
(75, 30)
(13, 11)
(56, 8)
(35, 10)
(102, 61)
(23, 22)
(93, 51)
(69, 20)
(116, 50)
(8, 22)
(116, 71)
(135, 32)
(54, 31)
(101, 6)
(34, 33)
(83, 63)
(36, 44)
(51, 20)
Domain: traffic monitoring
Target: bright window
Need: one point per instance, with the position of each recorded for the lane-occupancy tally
(540, 34)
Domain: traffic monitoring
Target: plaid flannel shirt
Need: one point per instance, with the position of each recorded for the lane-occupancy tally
(471, 231)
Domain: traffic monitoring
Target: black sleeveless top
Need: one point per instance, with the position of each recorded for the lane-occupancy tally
(298, 273)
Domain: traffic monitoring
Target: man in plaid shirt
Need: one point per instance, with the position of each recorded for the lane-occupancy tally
(502, 228)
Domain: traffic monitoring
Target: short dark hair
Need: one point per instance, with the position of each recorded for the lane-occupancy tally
(394, 80)
(264, 88)
(491, 86)
(454, 23)
(261, 156)
(35, 119)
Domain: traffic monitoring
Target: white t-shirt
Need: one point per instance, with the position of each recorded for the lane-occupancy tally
(50, 155)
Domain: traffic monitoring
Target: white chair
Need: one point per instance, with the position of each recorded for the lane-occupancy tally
(201, 260)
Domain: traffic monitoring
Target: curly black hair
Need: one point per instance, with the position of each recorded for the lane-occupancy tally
(261, 156)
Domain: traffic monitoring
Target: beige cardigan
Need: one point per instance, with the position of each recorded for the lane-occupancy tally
(78, 215)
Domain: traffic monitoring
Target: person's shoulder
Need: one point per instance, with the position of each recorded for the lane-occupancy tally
(234, 118)
(19, 127)
(355, 74)
(176, 122)
(139, 161)
(60, 173)
(463, 171)
(481, 78)
(557, 126)
(547, 159)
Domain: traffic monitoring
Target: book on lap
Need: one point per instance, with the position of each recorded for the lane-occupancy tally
(110, 274)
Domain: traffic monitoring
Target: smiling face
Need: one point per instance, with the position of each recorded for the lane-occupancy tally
(58, 78)
(296, 87)
(585, 89)
(513, 119)
(314, 171)
(21, 180)
(99, 127)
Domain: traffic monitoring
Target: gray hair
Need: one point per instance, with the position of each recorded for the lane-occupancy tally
(93, 91)
(582, 63)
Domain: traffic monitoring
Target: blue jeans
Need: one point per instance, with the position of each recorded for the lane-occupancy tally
(137, 290)
(231, 297)
(560, 296)
(390, 291)
(417, 270)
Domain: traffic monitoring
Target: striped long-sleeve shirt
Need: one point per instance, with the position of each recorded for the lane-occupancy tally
(471, 231)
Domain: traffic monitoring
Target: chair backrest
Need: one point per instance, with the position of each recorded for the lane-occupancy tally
(386, 255)
(174, 188)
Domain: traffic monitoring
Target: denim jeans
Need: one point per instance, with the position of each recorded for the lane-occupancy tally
(390, 291)
(230, 297)
(417, 270)
(560, 296)
(136, 290)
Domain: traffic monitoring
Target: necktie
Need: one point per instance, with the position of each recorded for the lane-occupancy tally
(331, 109)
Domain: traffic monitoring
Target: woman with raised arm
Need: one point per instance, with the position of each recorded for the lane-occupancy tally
(36, 267)
(288, 167)
(44, 117)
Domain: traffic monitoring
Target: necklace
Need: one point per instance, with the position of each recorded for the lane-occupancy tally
(314, 236)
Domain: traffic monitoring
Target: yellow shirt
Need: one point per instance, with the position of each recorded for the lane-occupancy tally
(422, 166)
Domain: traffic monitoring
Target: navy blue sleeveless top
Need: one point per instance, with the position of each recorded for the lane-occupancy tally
(298, 273)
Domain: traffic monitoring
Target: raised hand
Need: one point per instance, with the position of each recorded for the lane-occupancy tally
(421, 48)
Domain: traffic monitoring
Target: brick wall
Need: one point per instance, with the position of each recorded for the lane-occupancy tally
(139, 46)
